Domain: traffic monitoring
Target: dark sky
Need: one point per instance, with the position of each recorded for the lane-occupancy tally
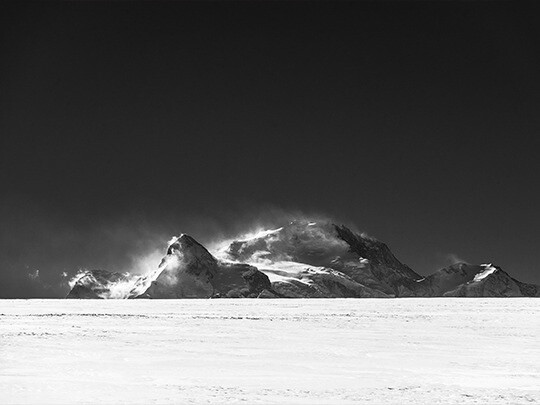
(123, 123)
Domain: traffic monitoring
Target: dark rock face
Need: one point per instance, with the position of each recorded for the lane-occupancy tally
(295, 289)
(496, 284)
(82, 292)
(528, 290)
(267, 294)
(382, 270)
(378, 254)
(256, 281)
(469, 280)
(444, 280)
(229, 279)
(360, 270)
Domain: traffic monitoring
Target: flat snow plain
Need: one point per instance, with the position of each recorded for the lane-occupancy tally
(428, 350)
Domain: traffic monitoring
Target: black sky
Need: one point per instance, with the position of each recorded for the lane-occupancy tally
(124, 123)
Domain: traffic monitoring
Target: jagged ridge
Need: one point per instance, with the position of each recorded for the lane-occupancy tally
(300, 259)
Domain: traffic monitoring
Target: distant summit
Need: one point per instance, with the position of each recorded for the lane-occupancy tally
(492, 281)
(302, 259)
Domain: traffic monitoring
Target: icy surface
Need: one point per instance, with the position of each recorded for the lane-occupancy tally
(436, 350)
(286, 271)
(488, 269)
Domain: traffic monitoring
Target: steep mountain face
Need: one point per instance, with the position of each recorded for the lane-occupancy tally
(444, 280)
(380, 262)
(299, 260)
(319, 259)
(188, 270)
(528, 290)
(469, 280)
(492, 281)
(322, 283)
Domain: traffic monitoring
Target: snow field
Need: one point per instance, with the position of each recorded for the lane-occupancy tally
(417, 350)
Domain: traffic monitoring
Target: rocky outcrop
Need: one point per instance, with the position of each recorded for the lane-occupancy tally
(83, 292)
(528, 290)
(268, 294)
(257, 281)
(229, 279)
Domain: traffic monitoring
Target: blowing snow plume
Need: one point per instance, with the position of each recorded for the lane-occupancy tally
(302, 241)
(107, 285)
(299, 259)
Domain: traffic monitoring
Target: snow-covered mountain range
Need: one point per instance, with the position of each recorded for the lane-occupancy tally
(302, 259)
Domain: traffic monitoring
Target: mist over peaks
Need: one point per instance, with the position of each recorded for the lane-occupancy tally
(301, 259)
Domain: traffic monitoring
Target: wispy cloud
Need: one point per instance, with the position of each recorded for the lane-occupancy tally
(454, 258)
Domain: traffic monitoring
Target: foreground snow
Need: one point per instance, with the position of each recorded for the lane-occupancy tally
(437, 350)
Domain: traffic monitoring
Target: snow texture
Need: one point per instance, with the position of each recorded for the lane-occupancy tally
(488, 269)
(406, 351)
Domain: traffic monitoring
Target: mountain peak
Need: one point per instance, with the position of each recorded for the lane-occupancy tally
(182, 243)
(303, 258)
